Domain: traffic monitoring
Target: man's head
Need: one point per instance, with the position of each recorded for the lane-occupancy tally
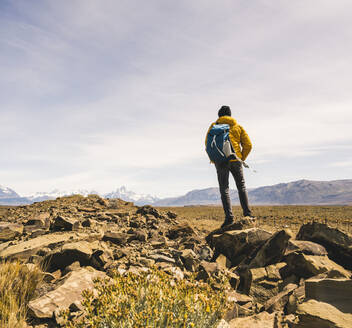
(224, 111)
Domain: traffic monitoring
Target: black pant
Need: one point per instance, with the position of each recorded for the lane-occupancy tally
(236, 170)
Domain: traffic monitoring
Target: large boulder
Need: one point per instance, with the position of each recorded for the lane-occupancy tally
(307, 266)
(189, 259)
(9, 231)
(41, 220)
(101, 258)
(69, 291)
(139, 235)
(80, 251)
(337, 292)
(61, 223)
(314, 314)
(118, 238)
(161, 258)
(207, 270)
(237, 245)
(273, 250)
(148, 210)
(337, 243)
(180, 230)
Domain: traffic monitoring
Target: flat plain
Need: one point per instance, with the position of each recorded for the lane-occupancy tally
(272, 218)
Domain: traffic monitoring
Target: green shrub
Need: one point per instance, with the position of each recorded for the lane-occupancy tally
(152, 299)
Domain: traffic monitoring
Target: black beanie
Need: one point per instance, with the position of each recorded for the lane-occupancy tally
(224, 111)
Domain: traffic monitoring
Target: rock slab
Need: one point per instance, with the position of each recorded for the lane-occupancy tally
(68, 292)
(25, 249)
(273, 250)
(337, 292)
(307, 266)
(314, 314)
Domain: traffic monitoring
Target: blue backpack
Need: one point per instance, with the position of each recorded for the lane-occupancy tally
(219, 147)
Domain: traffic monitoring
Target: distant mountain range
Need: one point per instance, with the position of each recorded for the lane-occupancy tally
(10, 197)
(337, 192)
(305, 192)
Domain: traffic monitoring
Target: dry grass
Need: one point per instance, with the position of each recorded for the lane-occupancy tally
(17, 286)
(207, 218)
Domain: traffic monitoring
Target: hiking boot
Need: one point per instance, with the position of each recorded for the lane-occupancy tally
(226, 223)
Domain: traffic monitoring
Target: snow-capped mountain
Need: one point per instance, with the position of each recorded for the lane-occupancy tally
(6, 192)
(130, 196)
(40, 196)
(10, 197)
(122, 193)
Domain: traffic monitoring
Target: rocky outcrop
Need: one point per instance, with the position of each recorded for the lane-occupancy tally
(270, 278)
(273, 270)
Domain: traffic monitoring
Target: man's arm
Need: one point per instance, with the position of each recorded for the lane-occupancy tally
(245, 143)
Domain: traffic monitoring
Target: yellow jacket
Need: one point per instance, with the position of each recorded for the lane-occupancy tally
(238, 137)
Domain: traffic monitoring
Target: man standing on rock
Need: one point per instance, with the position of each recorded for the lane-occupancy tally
(241, 146)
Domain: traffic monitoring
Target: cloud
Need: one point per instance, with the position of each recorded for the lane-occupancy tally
(342, 164)
(130, 89)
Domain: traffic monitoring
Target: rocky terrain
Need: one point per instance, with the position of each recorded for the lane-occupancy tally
(274, 279)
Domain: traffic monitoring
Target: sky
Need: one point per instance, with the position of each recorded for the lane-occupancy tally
(101, 94)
